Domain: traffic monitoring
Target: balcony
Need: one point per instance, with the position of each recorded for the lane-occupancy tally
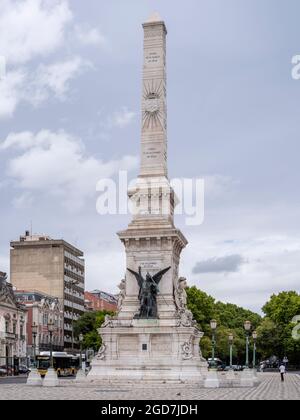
(10, 335)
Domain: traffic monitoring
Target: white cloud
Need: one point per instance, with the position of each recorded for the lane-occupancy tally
(90, 36)
(56, 164)
(36, 87)
(272, 266)
(35, 29)
(55, 78)
(32, 28)
(23, 201)
(218, 186)
(4, 263)
(11, 92)
(107, 275)
(122, 118)
(22, 141)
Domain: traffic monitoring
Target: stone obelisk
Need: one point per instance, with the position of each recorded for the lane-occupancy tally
(164, 347)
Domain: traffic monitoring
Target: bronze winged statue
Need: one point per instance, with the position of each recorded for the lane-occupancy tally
(148, 292)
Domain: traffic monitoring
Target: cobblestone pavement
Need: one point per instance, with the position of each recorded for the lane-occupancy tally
(270, 388)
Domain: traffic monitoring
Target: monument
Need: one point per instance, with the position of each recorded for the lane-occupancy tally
(153, 337)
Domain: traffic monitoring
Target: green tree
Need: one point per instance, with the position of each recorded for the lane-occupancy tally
(268, 339)
(202, 307)
(280, 310)
(233, 316)
(88, 325)
(230, 318)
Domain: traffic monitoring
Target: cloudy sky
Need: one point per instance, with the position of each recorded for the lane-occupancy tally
(70, 115)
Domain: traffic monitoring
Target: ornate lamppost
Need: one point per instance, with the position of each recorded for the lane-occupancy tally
(34, 378)
(34, 329)
(51, 377)
(254, 336)
(80, 341)
(81, 372)
(230, 339)
(247, 327)
(50, 330)
(213, 326)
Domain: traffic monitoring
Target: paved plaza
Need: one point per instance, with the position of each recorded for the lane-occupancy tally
(270, 388)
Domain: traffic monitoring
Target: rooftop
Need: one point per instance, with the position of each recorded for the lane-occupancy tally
(41, 240)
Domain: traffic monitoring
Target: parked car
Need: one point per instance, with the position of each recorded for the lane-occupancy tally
(217, 363)
(2, 372)
(7, 370)
(23, 370)
(236, 368)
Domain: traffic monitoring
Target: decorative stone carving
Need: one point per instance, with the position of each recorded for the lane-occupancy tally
(107, 322)
(122, 287)
(185, 318)
(184, 315)
(101, 353)
(180, 293)
(187, 350)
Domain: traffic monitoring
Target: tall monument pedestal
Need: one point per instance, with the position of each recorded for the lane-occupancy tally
(154, 337)
(149, 351)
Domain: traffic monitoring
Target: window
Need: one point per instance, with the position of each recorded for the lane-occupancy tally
(45, 319)
(6, 326)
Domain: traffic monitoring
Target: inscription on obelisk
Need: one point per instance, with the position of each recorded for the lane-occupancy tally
(154, 101)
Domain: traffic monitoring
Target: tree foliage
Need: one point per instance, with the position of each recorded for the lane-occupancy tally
(88, 325)
(230, 319)
(274, 330)
(280, 311)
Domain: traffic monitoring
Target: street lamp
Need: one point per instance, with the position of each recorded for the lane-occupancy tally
(51, 377)
(230, 339)
(254, 336)
(51, 329)
(213, 326)
(247, 326)
(34, 378)
(34, 329)
(80, 341)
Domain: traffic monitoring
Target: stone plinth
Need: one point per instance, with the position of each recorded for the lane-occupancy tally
(212, 380)
(50, 379)
(149, 351)
(34, 378)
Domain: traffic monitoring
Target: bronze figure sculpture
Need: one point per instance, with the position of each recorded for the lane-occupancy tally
(148, 292)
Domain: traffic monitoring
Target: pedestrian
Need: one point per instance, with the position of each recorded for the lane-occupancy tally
(282, 371)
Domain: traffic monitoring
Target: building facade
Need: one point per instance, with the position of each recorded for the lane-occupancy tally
(42, 309)
(100, 301)
(13, 323)
(53, 267)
